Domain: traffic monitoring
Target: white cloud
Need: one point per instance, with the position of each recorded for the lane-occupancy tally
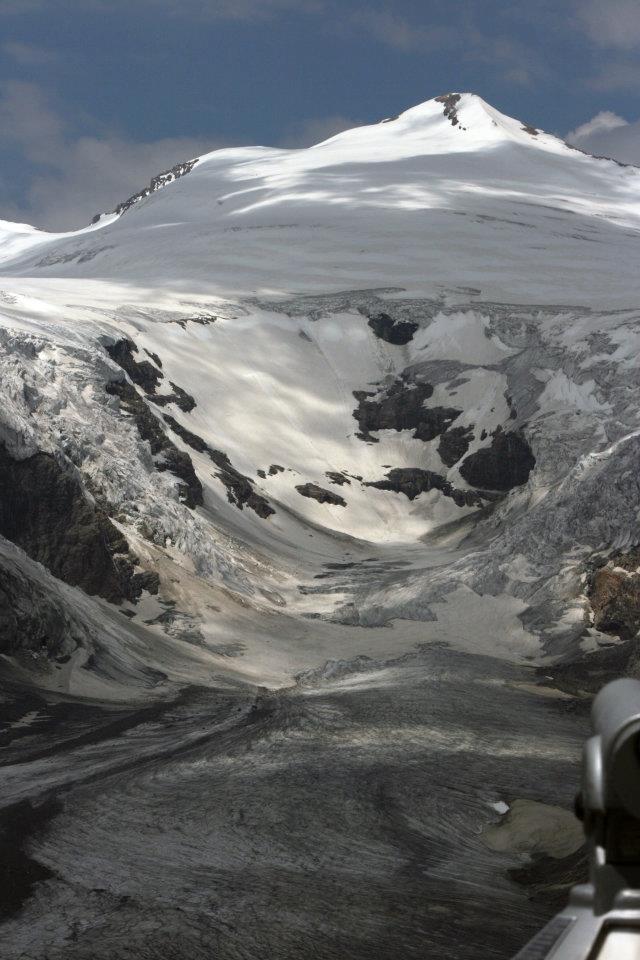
(194, 9)
(620, 74)
(28, 54)
(395, 31)
(309, 132)
(72, 178)
(611, 23)
(27, 120)
(93, 175)
(601, 123)
(608, 135)
(614, 26)
(512, 59)
(225, 9)
(11, 7)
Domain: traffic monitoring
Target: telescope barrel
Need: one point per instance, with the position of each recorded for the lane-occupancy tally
(616, 721)
(602, 918)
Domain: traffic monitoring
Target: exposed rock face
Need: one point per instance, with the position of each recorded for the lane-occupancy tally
(21, 823)
(401, 407)
(32, 619)
(315, 492)
(450, 101)
(154, 356)
(192, 439)
(239, 488)
(504, 465)
(338, 478)
(157, 183)
(454, 443)
(202, 320)
(141, 372)
(397, 332)
(411, 481)
(180, 397)
(145, 375)
(166, 454)
(628, 560)
(43, 510)
(614, 592)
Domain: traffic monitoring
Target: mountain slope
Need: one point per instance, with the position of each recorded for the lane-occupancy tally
(377, 199)
(333, 422)
(387, 412)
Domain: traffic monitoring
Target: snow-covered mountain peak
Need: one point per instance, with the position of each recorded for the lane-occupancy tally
(450, 123)
(445, 190)
(358, 421)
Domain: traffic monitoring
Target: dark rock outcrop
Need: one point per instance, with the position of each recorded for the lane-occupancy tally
(166, 454)
(315, 492)
(147, 376)
(180, 397)
(240, 490)
(450, 101)
(191, 439)
(401, 407)
(275, 468)
(20, 824)
(454, 443)
(157, 183)
(513, 413)
(45, 512)
(502, 466)
(31, 619)
(154, 356)
(412, 481)
(202, 319)
(338, 478)
(143, 373)
(396, 332)
(613, 590)
(434, 421)
(614, 594)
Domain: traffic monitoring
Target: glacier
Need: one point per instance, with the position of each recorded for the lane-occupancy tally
(309, 461)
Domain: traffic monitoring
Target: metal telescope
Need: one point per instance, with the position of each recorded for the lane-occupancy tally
(602, 918)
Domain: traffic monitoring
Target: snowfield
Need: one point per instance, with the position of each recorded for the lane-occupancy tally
(339, 425)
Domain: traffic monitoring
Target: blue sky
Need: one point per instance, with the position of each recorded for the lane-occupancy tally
(98, 95)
